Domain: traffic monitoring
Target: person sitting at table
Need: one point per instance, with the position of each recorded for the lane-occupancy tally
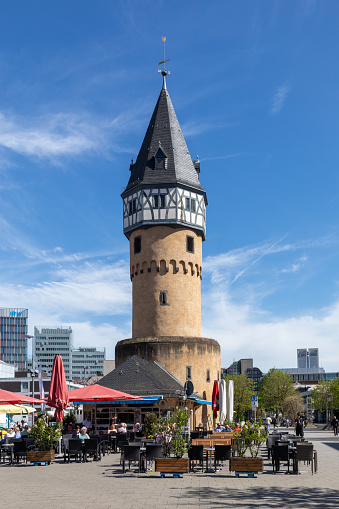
(26, 430)
(87, 422)
(17, 433)
(219, 427)
(10, 433)
(112, 428)
(122, 428)
(137, 427)
(83, 433)
(71, 431)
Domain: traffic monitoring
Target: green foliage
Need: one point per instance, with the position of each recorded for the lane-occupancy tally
(275, 387)
(169, 432)
(46, 437)
(319, 394)
(150, 425)
(243, 390)
(70, 418)
(250, 438)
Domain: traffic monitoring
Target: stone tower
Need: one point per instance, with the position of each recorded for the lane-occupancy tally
(164, 218)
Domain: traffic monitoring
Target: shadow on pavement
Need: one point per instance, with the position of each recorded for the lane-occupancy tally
(335, 445)
(264, 497)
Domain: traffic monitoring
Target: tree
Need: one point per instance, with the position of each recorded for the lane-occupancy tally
(293, 405)
(243, 390)
(319, 394)
(275, 387)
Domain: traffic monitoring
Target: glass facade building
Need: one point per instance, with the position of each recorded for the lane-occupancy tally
(13, 336)
(52, 341)
(308, 358)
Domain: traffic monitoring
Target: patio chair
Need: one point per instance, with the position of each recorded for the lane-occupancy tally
(104, 443)
(306, 453)
(131, 453)
(195, 434)
(152, 452)
(280, 453)
(121, 439)
(91, 448)
(30, 443)
(20, 451)
(5, 453)
(271, 440)
(112, 442)
(196, 453)
(74, 448)
(221, 453)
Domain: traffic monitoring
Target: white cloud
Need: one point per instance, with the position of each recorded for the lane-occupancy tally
(295, 267)
(247, 331)
(279, 98)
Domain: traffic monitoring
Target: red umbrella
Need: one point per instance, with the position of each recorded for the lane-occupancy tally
(215, 399)
(8, 397)
(96, 393)
(58, 393)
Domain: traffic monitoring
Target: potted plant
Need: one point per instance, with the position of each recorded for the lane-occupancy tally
(46, 438)
(172, 436)
(248, 440)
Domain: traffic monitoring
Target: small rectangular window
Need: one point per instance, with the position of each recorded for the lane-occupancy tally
(162, 201)
(134, 205)
(187, 203)
(192, 205)
(160, 163)
(208, 376)
(189, 244)
(155, 201)
(188, 372)
(163, 298)
(137, 245)
(130, 208)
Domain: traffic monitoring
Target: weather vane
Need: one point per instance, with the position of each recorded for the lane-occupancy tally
(164, 72)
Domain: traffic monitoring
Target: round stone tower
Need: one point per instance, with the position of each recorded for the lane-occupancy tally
(164, 218)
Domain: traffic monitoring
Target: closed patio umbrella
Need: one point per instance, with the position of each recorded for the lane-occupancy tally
(58, 393)
(222, 401)
(215, 399)
(230, 400)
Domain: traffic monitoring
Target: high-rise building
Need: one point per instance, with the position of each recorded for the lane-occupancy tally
(164, 219)
(80, 363)
(87, 362)
(13, 336)
(52, 341)
(308, 357)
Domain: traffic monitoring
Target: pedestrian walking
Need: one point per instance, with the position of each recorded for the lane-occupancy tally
(334, 425)
(299, 426)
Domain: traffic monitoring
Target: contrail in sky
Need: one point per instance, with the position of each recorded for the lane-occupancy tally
(256, 260)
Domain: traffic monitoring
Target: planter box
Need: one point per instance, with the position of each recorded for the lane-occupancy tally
(241, 464)
(40, 456)
(172, 465)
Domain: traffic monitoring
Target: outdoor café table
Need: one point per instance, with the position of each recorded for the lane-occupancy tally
(209, 459)
(9, 448)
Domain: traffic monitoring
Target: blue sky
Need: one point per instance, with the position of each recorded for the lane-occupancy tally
(255, 88)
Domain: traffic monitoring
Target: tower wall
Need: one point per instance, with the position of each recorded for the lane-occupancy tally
(176, 354)
(164, 265)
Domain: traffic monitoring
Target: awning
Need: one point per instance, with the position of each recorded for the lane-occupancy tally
(200, 401)
(140, 401)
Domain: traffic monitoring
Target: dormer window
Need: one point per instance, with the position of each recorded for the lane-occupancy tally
(160, 159)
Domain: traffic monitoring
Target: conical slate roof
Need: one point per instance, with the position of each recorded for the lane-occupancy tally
(141, 377)
(164, 132)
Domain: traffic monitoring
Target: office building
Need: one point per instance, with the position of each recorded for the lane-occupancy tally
(244, 366)
(308, 357)
(52, 341)
(13, 336)
(87, 362)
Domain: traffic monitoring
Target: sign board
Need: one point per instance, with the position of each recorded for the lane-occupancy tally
(254, 402)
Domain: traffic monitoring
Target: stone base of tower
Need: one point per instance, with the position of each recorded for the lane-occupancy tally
(187, 358)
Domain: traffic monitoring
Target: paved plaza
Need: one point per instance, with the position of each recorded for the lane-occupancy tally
(102, 485)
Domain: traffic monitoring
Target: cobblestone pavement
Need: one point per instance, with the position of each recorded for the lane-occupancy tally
(102, 485)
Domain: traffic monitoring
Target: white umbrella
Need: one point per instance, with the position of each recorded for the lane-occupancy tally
(16, 409)
(222, 401)
(230, 400)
